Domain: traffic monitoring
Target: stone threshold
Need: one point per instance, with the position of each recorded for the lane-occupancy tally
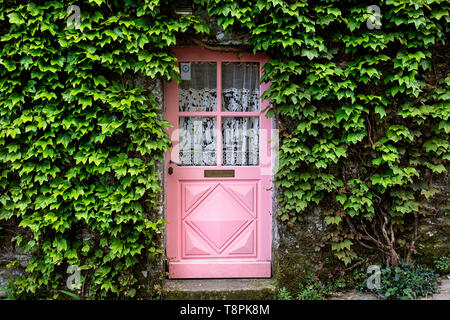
(219, 289)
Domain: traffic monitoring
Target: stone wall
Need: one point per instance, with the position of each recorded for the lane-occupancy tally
(9, 254)
(434, 230)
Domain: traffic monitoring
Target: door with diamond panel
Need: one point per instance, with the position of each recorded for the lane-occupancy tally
(219, 169)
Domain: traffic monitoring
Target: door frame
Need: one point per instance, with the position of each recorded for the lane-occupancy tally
(200, 269)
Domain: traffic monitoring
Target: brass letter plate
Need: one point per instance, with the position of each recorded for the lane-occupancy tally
(219, 173)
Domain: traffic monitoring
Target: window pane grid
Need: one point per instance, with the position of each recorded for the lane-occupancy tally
(235, 112)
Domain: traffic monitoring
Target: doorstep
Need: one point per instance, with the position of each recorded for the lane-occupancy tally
(219, 289)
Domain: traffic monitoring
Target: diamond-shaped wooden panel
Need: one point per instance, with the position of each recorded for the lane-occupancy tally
(245, 193)
(192, 193)
(244, 245)
(194, 245)
(220, 219)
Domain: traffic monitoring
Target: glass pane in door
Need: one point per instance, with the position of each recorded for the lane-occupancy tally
(198, 88)
(240, 138)
(240, 86)
(198, 141)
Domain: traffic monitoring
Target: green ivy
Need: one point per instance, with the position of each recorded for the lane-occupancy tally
(363, 113)
(442, 265)
(80, 140)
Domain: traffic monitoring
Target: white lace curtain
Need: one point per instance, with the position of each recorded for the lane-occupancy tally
(240, 93)
(240, 86)
(240, 141)
(198, 141)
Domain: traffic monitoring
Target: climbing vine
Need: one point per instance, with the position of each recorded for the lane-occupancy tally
(363, 114)
(80, 140)
(362, 100)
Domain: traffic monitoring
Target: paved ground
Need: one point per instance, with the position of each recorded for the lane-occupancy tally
(443, 294)
(444, 291)
(355, 295)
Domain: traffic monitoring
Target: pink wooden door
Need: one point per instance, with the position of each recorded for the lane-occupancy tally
(218, 172)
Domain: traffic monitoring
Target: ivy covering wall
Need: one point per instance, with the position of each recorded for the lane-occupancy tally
(363, 114)
(79, 142)
(362, 100)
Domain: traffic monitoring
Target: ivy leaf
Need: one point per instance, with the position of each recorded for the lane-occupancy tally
(64, 139)
(341, 115)
(202, 28)
(310, 53)
(355, 137)
(26, 61)
(116, 246)
(439, 13)
(341, 198)
(100, 80)
(334, 11)
(60, 243)
(15, 18)
(381, 111)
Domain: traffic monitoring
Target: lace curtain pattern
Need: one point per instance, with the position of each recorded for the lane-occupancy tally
(240, 141)
(199, 93)
(240, 86)
(198, 141)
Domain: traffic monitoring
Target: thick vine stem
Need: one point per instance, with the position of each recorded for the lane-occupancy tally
(387, 248)
(412, 248)
(379, 245)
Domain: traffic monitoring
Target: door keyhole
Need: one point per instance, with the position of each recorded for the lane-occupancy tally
(170, 170)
